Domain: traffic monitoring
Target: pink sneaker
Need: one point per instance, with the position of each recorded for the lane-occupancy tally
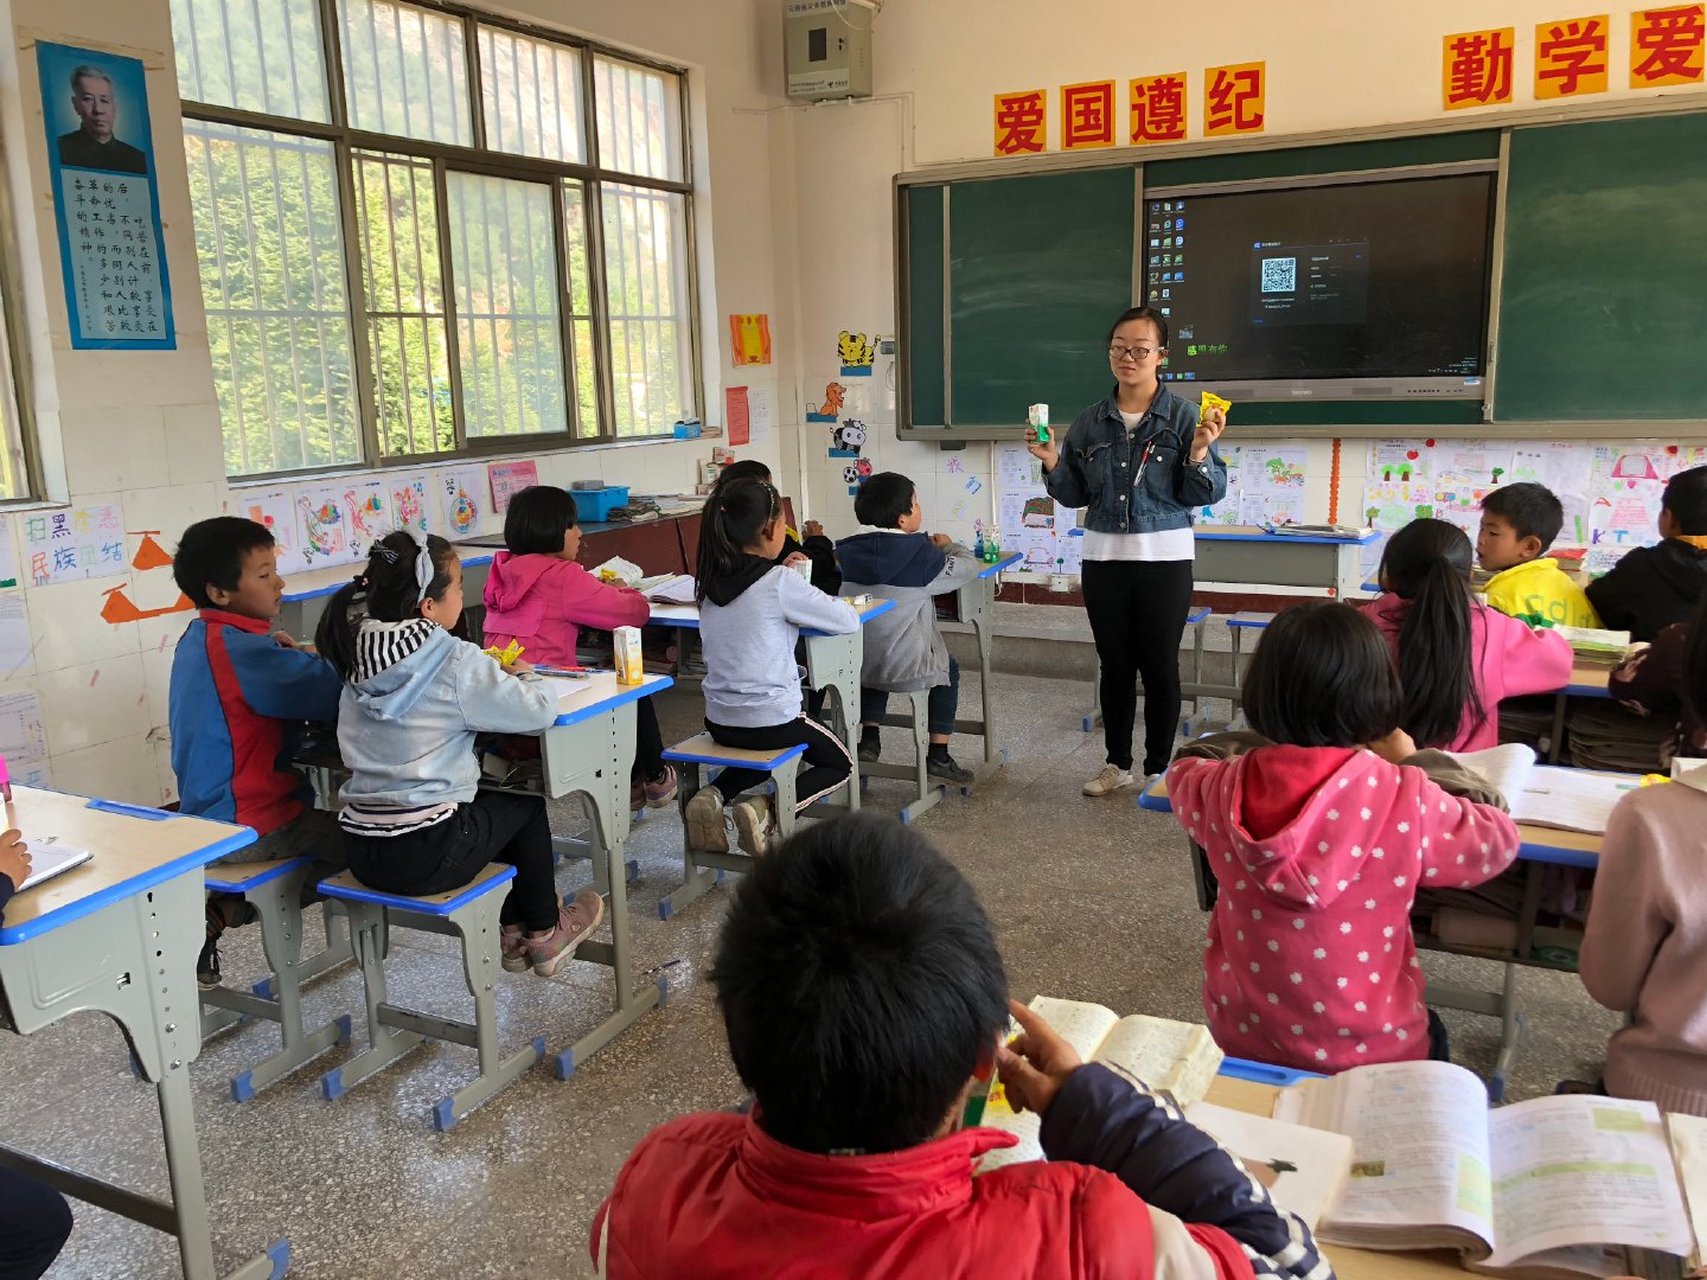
(662, 789)
(513, 949)
(575, 922)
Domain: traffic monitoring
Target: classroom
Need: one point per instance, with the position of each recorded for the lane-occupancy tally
(364, 271)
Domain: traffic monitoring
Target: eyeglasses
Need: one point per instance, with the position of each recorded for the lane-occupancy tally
(1117, 353)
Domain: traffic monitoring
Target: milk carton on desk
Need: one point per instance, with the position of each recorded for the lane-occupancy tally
(630, 666)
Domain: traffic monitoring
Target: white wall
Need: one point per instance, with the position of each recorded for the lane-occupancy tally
(142, 429)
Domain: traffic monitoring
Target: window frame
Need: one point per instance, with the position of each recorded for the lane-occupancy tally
(347, 142)
(17, 372)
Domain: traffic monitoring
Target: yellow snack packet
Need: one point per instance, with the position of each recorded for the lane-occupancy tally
(508, 654)
(1212, 401)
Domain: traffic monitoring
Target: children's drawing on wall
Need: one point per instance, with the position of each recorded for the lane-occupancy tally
(68, 546)
(409, 503)
(1037, 513)
(830, 410)
(369, 512)
(460, 495)
(857, 353)
(320, 516)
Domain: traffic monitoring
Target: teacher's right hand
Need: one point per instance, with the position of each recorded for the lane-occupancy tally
(1048, 454)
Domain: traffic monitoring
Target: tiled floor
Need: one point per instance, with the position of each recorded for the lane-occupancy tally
(1092, 899)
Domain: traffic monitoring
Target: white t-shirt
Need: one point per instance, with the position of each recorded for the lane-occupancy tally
(1164, 544)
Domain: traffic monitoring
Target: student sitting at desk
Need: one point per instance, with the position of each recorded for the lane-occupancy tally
(1519, 523)
(751, 613)
(863, 997)
(1319, 836)
(811, 542)
(1644, 951)
(539, 597)
(35, 1221)
(1651, 681)
(1457, 657)
(237, 694)
(415, 819)
(904, 649)
(1653, 587)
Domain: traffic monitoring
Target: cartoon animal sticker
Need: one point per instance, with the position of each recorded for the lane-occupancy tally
(857, 353)
(831, 409)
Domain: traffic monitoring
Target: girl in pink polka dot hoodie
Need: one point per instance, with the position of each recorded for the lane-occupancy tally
(1319, 839)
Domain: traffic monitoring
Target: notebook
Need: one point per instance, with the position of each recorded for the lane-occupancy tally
(49, 859)
(676, 588)
(1546, 796)
(1303, 1169)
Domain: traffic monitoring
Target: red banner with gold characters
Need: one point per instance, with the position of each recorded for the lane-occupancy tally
(1235, 101)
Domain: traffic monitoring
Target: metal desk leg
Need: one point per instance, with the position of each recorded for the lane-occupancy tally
(134, 960)
(581, 758)
(833, 663)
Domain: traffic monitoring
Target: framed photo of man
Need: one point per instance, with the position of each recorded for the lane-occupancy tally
(101, 153)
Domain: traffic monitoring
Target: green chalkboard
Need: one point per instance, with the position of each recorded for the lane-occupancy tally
(1038, 269)
(1603, 308)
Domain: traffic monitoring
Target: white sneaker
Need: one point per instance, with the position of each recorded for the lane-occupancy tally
(754, 825)
(1110, 780)
(703, 816)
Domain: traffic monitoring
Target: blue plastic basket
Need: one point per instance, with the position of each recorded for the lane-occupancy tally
(593, 506)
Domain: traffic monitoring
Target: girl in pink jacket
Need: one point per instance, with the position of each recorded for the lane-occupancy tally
(1319, 840)
(538, 595)
(1457, 658)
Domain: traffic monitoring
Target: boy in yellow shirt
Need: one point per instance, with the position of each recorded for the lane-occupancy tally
(1519, 523)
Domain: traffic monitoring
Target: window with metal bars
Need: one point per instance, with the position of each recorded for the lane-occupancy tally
(425, 232)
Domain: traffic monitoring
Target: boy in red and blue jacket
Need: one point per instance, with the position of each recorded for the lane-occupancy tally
(862, 995)
(238, 693)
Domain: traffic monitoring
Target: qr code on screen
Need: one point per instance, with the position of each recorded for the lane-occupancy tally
(1279, 275)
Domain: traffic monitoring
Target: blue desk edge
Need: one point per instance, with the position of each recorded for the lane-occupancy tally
(645, 689)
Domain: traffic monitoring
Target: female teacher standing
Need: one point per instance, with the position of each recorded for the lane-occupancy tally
(1139, 461)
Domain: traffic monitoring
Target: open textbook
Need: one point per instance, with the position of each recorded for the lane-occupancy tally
(1550, 1188)
(670, 588)
(1544, 796)
(1178, 1057)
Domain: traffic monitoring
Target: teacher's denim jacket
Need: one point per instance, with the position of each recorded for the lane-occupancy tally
(1104, 468)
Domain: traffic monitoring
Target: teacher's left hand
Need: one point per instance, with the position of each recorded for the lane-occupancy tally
(1209, 430)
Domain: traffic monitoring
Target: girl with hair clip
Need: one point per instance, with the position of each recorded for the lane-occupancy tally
(1457, 657)
(1320, 825)
(751, 614)
(415, 820)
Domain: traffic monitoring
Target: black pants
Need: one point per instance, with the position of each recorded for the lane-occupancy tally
(940, 707)
(1137, 611)
(1439, 1047)
(34, 1222)
(496, 826)
(648, 743)
(827, 761)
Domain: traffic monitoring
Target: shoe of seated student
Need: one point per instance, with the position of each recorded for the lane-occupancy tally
(513, 949)
(940, 765)
(660, 791)
(703, 817)
(207, 965)
(755, 824)
(636, 797)
(1111, 779)
(575, 922)
(870, 745)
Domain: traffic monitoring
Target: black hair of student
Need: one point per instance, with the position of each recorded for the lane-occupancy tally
(537, 519)
(384, 590)
(744, 469)
(883, 499)
(1322, 676)
(734, 514)
(1686, 499)
(1428, 564)
(1530, 509)
(1142, 313)
(212, 552)
(860, 983)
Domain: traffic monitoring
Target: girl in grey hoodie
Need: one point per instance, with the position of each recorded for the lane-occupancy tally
(414, 818)
(751, 611)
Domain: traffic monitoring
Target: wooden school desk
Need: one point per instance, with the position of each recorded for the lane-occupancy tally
(1540, 848)
(832, 662)
(588, 751)
(306, 593)
(1348, 1263)
(119, 935)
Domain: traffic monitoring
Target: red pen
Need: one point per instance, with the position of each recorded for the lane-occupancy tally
(5, 781)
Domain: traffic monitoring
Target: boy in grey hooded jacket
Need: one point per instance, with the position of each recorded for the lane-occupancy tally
(904, 648)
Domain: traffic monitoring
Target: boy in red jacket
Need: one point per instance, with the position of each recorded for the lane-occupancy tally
(862, 995)
(537, 594)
